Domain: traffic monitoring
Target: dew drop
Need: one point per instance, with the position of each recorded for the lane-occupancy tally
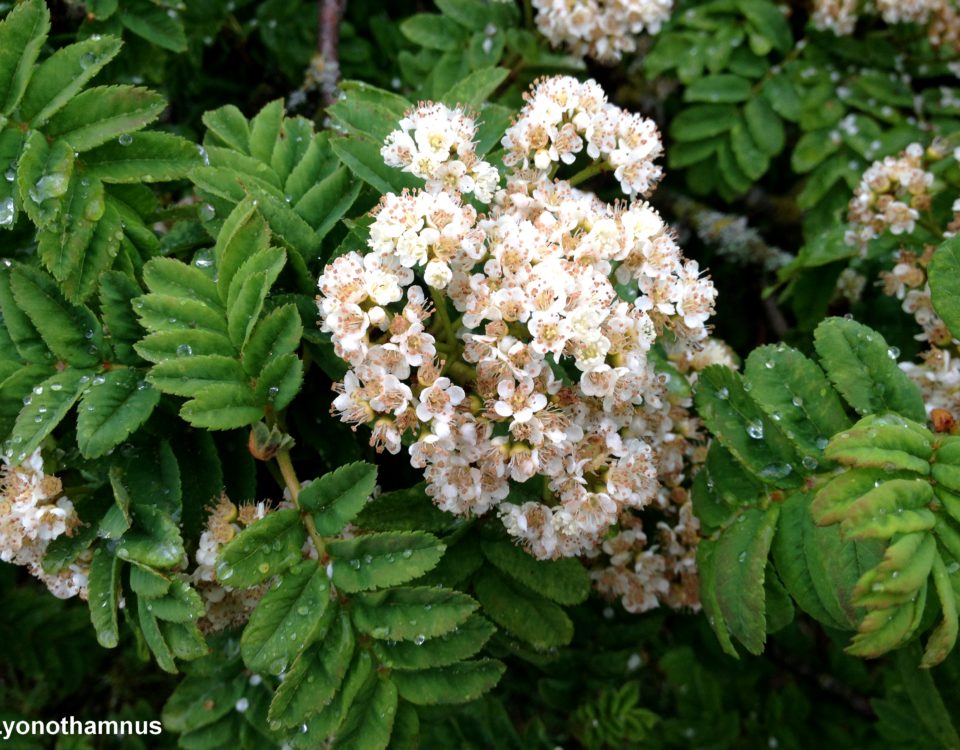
(125, 140)
(755, 429)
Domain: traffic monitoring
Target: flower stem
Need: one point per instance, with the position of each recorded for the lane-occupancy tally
(591, 170)
(528, 14)
(293, 484)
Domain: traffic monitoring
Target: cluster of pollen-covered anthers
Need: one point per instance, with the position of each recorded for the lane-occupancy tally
(941, 17)
(601, 29)
(33, 512)
(511, 351)
(563, 117)
(890, 197)
(225, 607)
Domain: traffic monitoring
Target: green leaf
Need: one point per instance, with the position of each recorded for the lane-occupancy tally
(189, 376)
(765, 127)
(703, 121)
(770, 22)
(176, 279)
(928, 706)
(248, 291)
(156, 25)
(564, 581)
(324, 204)
(362, 156)
(244, 233)
(103, 596)
(749, 158)
(328, 720)
(944, 276)
(288, 618)
(265, 130)
(336, 498)
(181, 604)
(944, 637)
(43, 176)
(200, 700)
(264, 549)
(153, 540)
(277, 333)
(522, 612)
(375, 561)
(114, 407)
(148, 583)
(49, 403)
(403, 510)
(103, 113)
(223, 407)
(144, 157)
(369, 722)
(794, 391)
(819, 568)
(739, 555)
(315, 676)
(154, 638)
(744, 429)
(476, 88)
(718, 89)
(410, 613)
(858, 362)
(58, 78)
(783, 97)
(22, 34)
(458, 683)
(462, 643)
(433, 32)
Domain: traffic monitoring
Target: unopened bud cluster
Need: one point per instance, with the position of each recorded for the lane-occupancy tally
(510, 351)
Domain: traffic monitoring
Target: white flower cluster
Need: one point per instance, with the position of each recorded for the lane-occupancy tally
(838, 16)
(890, 197)
(33, 513)
(601, 29)
(225, 607)
(436, 144)
(941, 17)
(563, 117)
(524, 381)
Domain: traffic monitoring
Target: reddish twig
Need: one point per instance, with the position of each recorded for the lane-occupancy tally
(328, 47)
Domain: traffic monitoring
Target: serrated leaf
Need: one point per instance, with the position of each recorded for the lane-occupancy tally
(476, 88)
(154, 638)
(58, 78)
(277, 333)
(409, 613)
(103, 113)
(564, 581)
(315, 676)
(717, 89)
(143, 157)
(887, 442)
(335, 498)
(116, 405)
(176, 279)
(794, 391)
(897, 506)
(362, 156)
(156, 25)
(189, 376)
(200, 700)
(262, 550)
(43, 176)
(181, 604)
(223, 407)
(244, 233)
(703, 121)
(744, 429)
(103, 596)
(375, 561)
(944, 276)
(403, 510)
(944, 637)
(858, 362)
(148, 583)
(522, 612)
(288, 618)
(22, 34)
(457, 683)
(739, 555)
(765, 127)
(57, 394)
(432, 31)
(462, 643)
(369, 721)
(327, 721)
(183, 344)
(248, 291)
(153, 540)
(323, 205)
